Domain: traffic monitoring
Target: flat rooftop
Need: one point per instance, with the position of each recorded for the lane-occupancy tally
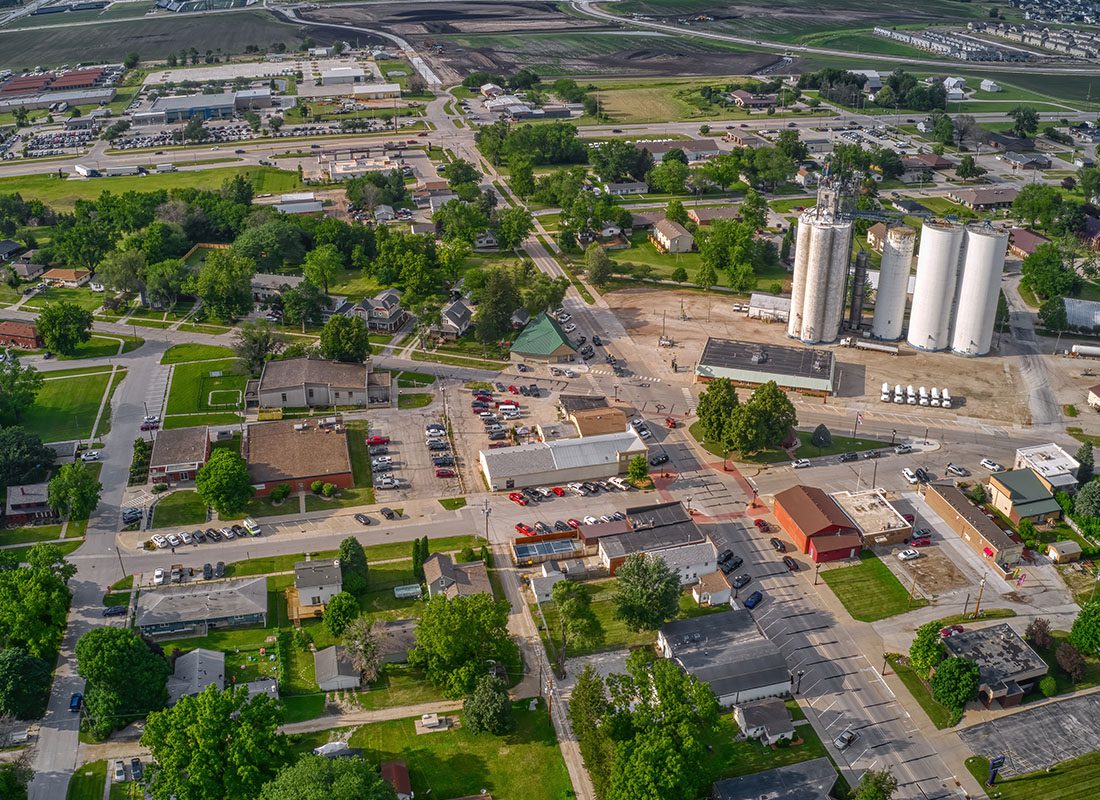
(1048, 459)
(1001, 654)
(803, 362)
(870, 511)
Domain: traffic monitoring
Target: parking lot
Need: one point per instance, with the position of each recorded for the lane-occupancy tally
(411, 459)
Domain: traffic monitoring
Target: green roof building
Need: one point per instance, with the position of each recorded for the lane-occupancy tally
(544, 341)
(1020, 495)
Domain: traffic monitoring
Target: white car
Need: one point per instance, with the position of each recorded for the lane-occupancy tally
(909, 475)
(590, 520)
(159, 578)
(90, 455)
(185, 537)
(800, 463)
(150, 418)
(174, 540)
(381, 461)
(160, 541)
(644, 433)
(570, 373)
(570, 328)
(903, 448)
(908, 554)
(120, 772)
(991, 465)
(637, 422)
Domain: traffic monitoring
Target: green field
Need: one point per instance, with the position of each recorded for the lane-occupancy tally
(524, 765)
(414, 400)
(869, 589)
(104, 347)
(1076, 779)
(615, 633)
(83, 297)
(88, 781)
(193, 389)
(66, 408)
(179, 508)
(182, 353)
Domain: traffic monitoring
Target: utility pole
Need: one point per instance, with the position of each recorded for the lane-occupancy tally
(978, 603)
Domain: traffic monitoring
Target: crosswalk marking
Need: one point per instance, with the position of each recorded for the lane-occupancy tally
(649, 378)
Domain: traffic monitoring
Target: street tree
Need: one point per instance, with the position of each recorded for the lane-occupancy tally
(217, 745)
(679, 275)
(122, 270)
(821, 438)
(164, 282)
(1046, 274)
(224, 284)
(223, 482)
(340, 610)
(24, 684)
(637, 469)
(647, 592)
(1087, 501)
(363, 640)
(876, 784)
(19, 385)
(1085, 633)
(1038, 203)
(1083, 456)
(74, 491)
(304, 304)
(513, 226)
(345, 339)
(598, 265)
(927, 649)
(455, 638)
(578, 625)
(955, 682)
(125, 678)
(488, 709)
(34, 602)
(319, 778)
(63, 326)
(322, 265)
(255, 343)
(353, 566)
(774, 413)
(754, 209)
(716, 405)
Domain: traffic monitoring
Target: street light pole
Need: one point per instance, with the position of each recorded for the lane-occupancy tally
(486, 510)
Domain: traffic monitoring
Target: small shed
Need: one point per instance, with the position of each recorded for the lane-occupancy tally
(334, 670)
(1063, 552)
(712, 590)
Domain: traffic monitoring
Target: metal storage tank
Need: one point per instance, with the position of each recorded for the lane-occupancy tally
(820, 274)
(934, 293)
(798, 279)
(979, 288)
(893, 283)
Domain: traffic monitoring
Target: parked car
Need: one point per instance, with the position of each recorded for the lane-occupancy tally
(443, 472)
(388, 513)
(800, 463)
(845, 739)
(137, 769)
(902, 449)
(150, 426)
(517, 498)
(790, 563)
(174, 540)
(160, 541)
(908, 554)
(657, 460)
(951, 630)
(762, 525)
(753, 600)
(596, 340)
(379, 450)
(213, 535)
(378, 439)
(116, 611)
(526, 530)
(219, 569)
(76, 700)
(573, 523)
(845, 457)
(590, 520)
(922, 475)
(909, 475)
(740, 581)
(560, 492)
(991, 465)
(777, 545)
(955, 469)
(90, 455)
(207, 571)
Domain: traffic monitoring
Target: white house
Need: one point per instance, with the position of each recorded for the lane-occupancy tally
(333, 670)
(691, 562)
(712, 590)
(318, 581)
(767, 720)
(542, 585)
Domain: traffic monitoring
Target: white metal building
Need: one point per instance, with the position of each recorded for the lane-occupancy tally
(1056, 468)
(338, 75)
(893, 283)
(769, 307)
(561, 461)
(1082, 313)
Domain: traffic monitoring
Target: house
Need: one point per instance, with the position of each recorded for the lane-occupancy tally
(542, 585)
(1004, 141)
(455, 319)
(985, 198)
(694, 149)
(519, 318)
(671, 237)
(625, 187)
(8, 249)
(315, 583)
(1007, 666)
(486, 240)
(334, 671)
(599, 421)
(645, 220)
(399, 637)
(690, 562)
(28, 504)
(396, 774)
(193, 671)
(384, 311)
(1056, 468)
(768, 720)
(559, 462)
(266, 286)
(200, 607)
(69, 278)
(297, 453)
(1063, 552)
(805, 177)
(444, 577)
(20, 335)
(712, 590)
(1022, 242)
(806, 512)
(980, 533)
(728, 652)
(704, 215)
(178, 453)
(876, 236)
(743, 99)
(317, 383)
(872, 80)
(27, 266)
(910, 207)
(543, 341)
(1026, 161)
(807, 780)
(1020, 495)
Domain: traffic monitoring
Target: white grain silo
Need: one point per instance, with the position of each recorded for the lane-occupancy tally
(893, 283)
(978, 290)
(941, 245)
(824, 246)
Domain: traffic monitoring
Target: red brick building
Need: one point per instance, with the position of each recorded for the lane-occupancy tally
(297, 452)
(808, 514)
(23, 335)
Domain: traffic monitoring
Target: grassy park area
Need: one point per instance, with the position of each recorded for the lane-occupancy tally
(869, 589)
(182, 507)
(66, 406)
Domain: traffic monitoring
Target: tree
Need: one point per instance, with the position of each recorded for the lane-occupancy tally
(676, 212)
(353, 566)
(322, 264)
(1052, 314)
(304, 303)
(716, 405)
(255, 343)
(821, 437)
(1087, 501)
(513, 226)
(363, 639)
(487, 709)
(522, 175)
(131, 60)
(1025, 121)
(319, 778)
(1044, 272)
(647, 593)
(1038, 203)
(224, 284)
(340, 611)
(15, 775)
(19, 386)
(598, 265)
(223, 483)
(217, 745)
(679, 275)
(969, 169)
(418, 558)
(927, 648)
(24, 684)
(1071, 661)
(754, 209)
(164, 282)
(122, 270)
(1038, 633)
(456, 638)
(461, 172)
(345, 339)
(1085, 633)
(126, 679)
(707, 276)
(637, 469)
(876, 785)
(1083, 456)
(74, 491)
(63, 326)
(498, 299)
(617, 160)
(577, 622)
(774, 413)
(955, 682)
(34, 602)
(22, 454)
(668, 177)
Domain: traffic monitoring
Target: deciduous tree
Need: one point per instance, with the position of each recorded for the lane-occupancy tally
(24, 684)
(598, 265)
(255, 343)
(363, 640)
(322, 265)
(637, 469)
(1071, 661)
(74, 491)
(223, 482)
(345, 339)
(353, 566)
(63, 326)
(488, 709)
(339, 612)
(578, 625)
(122, 270)
(224, 284)
(319, 778)
(754, 209)
(927, 648)
(19, 385)
(716, 405)
(1085, 633)
(876, 784)
(125, 678)
(304, 304)
(455, 639)
(164, 281)
(955, 682)
(647, 592)
(1038, 633)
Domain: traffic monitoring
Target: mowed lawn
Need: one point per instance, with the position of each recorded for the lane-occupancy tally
(66, 408)
(88, 781)
(1076, 779)
(869, 589)
(523, 765)
(616, 634)
(194, 387)
(179, 508)
(182, 353)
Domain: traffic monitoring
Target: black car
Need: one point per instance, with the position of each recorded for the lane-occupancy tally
(500, 386)
(199, 536)
(657, 460)
(437, 445)
(922, 475)
(479, 406)
(523, 390)
(581, 340)
(531, 494)
(725, 555)
(239, 531)
(207, 571)
(741, 580)
(496, 436)
(560, 525)
(542, 527)
(362, 519)
(534, 390)
(116, 611)
(379, 450)
(777, 545)
(388, 513)
(137, 770)
(213, 535)
(790, 563)
(219, 569)
(596, 340)
(844, 457)
(590, 487)
(734, 563)
(443, 461)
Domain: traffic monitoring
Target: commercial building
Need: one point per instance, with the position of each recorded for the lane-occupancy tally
(1020, 495)
(751, 364)
(981, 533)
(20, 335)
(178, 453)
(334, 671)
(655, 529)
(252, 99)
(197, 608)
(986, 198)
(181, 108)
(357, 168)
(1056, 468)
(743, 99)
(193, 671)
(694, 149)
(671, 237)
(878, 522)
(807, 513)
(565, 461)
(599, 421)
(341, 75)
(769, 307)
(1007, 666)
(28, 504)
(316, 383)
(728, 652)
(446, 578)
(543, 341)
(572, 403)
(296, 453)
(807, 780)
(691, 561)
(377, 91)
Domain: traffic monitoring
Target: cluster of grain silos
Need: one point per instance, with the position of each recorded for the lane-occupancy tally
(893, 283)
(822, 250)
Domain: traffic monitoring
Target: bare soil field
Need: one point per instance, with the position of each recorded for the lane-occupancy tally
(428, 19)
(987, 388)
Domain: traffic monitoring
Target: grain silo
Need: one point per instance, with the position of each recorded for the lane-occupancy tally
(893, 283)
(941, 248)
(823, 248)
(978, 290)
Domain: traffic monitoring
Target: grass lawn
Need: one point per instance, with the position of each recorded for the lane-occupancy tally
(941, 716)
(300, 707)
(453, 503)
(104, 347)
(414, 400)
(88, 781)
(616, 634)
(195, 388)
(38, 533)
(1065, 683)
(869, 589)
(354, 283)
(83, 297)
(841, 444)
(266, 507)
(66, 408)
(379, 600)
(409, 380)
(524, 765)
(732, 759)
(458, 361)
(399, 685)
(1076, 779)
(66, 548)
(180, 353)
(191, 420)
(179, 508)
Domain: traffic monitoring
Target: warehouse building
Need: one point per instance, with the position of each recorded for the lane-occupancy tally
(558, 462)
(981, 534)
(377, 91)
(801, 369)
(342, 75)
(543, 341)
(816, 524)
(181, 108)
(656, 530)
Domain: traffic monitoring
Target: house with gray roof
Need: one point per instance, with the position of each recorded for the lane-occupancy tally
(316, 383)
(266, 286)
(334, 671)
(807, 780)
(767, 720)
(197, 608)
(194, 671)
(454, 320)
(384, 311)
(444, 577)
(691, 562)
(178, 453)
(315, 583)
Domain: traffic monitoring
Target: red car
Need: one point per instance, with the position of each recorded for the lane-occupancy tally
(951, 630)
(921, 541)
(150, 426)
(513, 390)
(518, 498)
(560, 492)
(526, 530)
(443, 472)
(761, 524)
(378, 440)
(573, 523)
(909, 518)
(495, 445)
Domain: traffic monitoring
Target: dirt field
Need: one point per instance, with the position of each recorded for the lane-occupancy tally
(988, 387)
(934, 572)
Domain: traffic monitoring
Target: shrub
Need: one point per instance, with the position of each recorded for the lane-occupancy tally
(160, 487)
(328, 490)
(316, 486)
(1048, 686)
(280, 492)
